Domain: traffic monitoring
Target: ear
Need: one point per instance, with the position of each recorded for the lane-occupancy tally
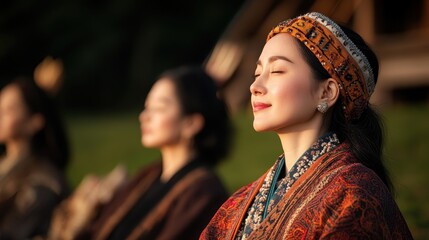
(37, 122)
(330, 91)
(192, 125)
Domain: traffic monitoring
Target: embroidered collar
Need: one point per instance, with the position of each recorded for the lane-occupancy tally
(255, 213)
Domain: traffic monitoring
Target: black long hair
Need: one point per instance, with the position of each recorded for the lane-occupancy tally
(51, 141)
(197, 93)
(366, 134)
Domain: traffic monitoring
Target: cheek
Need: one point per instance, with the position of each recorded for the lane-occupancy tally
(11, 128)
(167, 126)
(295, 102)
(166, 122)
(295, 93)
(160, 130)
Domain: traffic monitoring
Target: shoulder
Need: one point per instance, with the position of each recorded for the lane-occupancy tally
(43, 175)
(356, 183)
(150, 168)
(358, 178)
(348, 174)
(147, 173)
(357, 197)
(203, 181)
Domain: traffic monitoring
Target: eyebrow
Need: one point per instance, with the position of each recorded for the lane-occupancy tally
(275, 58)
(162, 100)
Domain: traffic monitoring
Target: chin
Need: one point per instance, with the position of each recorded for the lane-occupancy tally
(259, 127)
(148, 143)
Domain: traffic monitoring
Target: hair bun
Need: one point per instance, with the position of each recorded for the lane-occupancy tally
(48, 75)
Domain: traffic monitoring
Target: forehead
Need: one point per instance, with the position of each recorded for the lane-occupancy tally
(163, 88)
(10, 93)
(281, 44)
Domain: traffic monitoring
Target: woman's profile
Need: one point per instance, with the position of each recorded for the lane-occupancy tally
(175, 197)
(312, 85)
(32, 166)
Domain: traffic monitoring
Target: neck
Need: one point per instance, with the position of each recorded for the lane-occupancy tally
(17, 149)
(174, 159)
(296, 142)
(15, 152)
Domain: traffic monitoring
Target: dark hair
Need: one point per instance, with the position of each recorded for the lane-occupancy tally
(50, 142)
(197, 93)
(365, 134)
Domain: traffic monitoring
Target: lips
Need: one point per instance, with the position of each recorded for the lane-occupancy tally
(145, 130)
(258, 106)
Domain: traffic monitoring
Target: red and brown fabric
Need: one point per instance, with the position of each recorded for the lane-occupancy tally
(336, 198)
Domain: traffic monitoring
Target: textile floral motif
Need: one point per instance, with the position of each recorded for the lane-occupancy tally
(254, 217)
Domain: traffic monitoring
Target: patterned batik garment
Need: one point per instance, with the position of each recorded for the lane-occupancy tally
(274, 188)
(327, 194)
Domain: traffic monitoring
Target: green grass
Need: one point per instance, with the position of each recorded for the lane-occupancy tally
(407, 151)
(100, 142)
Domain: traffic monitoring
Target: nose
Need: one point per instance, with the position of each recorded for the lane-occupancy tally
(257, 88)
(142, 115)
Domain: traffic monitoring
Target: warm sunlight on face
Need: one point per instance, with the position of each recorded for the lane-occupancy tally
(283, 93)
(13, 114)
(160, 121)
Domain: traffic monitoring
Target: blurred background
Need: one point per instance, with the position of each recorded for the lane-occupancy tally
(101, 57)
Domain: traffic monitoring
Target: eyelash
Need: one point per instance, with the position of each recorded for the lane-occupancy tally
(257, 75)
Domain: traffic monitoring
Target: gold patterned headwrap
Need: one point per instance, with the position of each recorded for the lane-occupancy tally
(337, 54)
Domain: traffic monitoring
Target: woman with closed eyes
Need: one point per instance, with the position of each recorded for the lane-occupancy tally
(313, 81)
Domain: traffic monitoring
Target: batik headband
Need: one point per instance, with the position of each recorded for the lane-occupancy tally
(337, 54)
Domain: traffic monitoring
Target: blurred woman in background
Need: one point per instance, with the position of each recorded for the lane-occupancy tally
(33, 161)
(176, 197)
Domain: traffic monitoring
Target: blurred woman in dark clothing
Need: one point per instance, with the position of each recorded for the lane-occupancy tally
(32, 178)
(176, 197)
